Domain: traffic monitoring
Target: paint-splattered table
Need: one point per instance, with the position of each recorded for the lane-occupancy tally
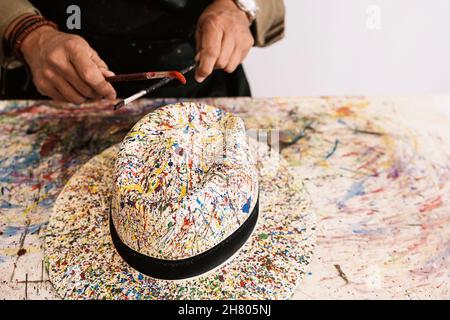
(377, 170)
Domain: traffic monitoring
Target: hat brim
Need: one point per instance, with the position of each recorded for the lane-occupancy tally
(83, 263)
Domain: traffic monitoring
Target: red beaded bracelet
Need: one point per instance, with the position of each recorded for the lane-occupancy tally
(22, 29)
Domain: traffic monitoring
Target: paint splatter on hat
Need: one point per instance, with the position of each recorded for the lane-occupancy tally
(185, 208)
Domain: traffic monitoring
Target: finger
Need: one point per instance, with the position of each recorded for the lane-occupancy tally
(52, 92)
(97, 60)
(69, 73)
(236, 59)
(102, 65)
(226, 50)
(55, 95)
(107, 73)
(210, 49)
(67, 91)
(91, 74)
(44, 85)
(62, 66)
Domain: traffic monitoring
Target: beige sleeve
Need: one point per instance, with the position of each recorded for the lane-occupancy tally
(10, 10)
(267, 29)
(269, 24)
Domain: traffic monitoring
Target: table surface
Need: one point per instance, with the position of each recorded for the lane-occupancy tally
(377, 170)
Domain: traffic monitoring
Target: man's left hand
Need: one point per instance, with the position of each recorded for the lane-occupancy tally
(223, 38)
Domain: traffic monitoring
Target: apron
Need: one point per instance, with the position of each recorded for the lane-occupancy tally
(137, 36)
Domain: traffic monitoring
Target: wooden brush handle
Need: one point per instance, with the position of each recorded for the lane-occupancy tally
(147, 76)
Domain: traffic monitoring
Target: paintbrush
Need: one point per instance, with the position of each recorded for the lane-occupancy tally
(157, 85)
(147, 76)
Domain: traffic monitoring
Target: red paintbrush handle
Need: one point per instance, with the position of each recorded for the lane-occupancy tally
(147, 76)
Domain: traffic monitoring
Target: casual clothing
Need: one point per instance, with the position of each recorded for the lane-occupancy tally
(141, 35)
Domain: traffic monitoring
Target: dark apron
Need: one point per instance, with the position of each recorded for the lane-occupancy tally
(137, 36)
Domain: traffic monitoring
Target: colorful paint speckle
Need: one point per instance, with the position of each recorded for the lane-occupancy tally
(83, 263)
(184, 181)
(390, 240)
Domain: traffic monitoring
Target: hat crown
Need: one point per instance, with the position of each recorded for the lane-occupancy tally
(184, 181)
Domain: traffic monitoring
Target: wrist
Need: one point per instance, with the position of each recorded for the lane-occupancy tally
(21, 30)
(249, 7)
(234, 6)
(35, 38)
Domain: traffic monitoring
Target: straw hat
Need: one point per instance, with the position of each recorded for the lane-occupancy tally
(186, 207)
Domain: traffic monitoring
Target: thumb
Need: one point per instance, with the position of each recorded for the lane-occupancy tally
(106, 72)
(101, 64)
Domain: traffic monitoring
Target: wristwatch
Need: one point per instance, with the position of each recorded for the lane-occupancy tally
(250, 7)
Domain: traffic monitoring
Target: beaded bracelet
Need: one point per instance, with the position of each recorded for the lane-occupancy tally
(22, 29)
(18, 28)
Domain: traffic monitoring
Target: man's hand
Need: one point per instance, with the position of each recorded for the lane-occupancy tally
(223, 38)
(65, 67)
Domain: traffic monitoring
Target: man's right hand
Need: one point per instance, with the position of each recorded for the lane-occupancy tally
(65, 67)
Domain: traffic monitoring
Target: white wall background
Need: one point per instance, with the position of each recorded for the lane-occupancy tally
(329, 50)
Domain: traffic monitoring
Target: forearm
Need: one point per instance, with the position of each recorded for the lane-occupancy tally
(10, 11)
